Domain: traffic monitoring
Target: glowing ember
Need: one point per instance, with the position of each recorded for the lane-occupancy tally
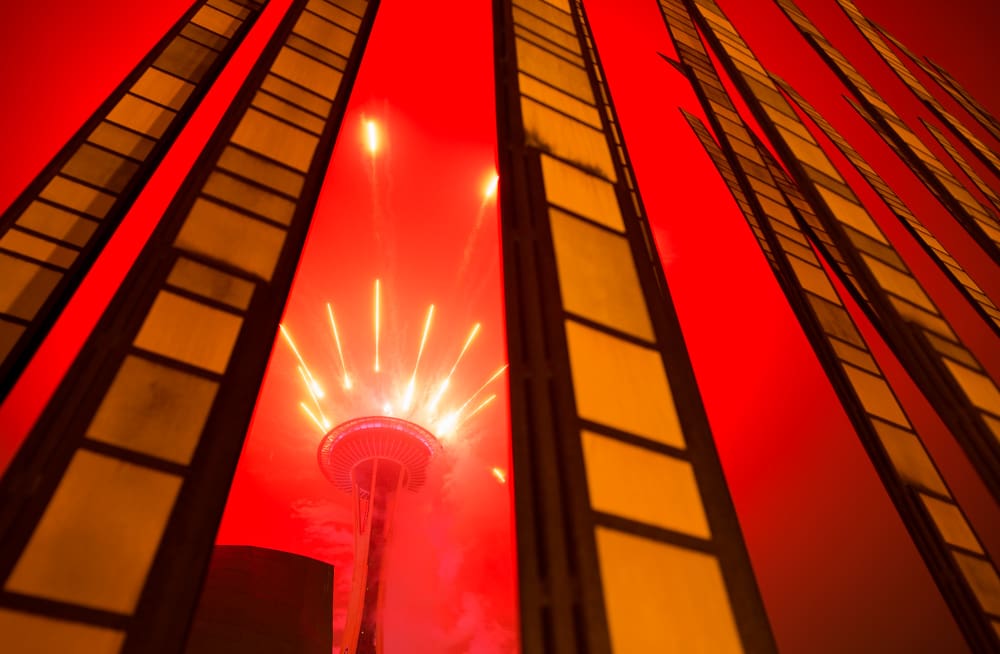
(371, 136)
(491, 187)
(422, 398)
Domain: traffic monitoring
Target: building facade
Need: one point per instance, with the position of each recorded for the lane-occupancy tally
(626, 535)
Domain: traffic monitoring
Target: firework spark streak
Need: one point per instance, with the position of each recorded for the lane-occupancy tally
(420, 398)
(377, 304)
(340, 350)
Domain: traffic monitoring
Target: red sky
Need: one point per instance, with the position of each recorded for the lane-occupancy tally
(834, 564)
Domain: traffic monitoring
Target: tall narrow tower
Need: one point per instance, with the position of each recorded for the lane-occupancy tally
(373, 458)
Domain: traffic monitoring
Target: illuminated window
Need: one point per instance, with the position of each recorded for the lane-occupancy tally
(638, 484)
(662, 598)
(597, 275)
(154, 409)
(26, 633)
(25, 286)
(190, 332)
(226, 235)
(621, 385)
(96, 540)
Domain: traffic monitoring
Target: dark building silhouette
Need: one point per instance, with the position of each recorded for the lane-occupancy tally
(261, 601)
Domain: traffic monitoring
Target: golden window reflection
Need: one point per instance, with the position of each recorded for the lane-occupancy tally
(27, 633)
(190, 332)
(621, 385)
(228, 236)
(96, 540)
(642, 485)
(154, 409)
(662, 598)
(597, 276)
(582, 193)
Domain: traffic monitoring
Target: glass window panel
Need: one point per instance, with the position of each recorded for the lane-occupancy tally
(100, 168)
(813, 278)
(950, 349)
(325, 33)
(211, 283)
(553, 132)
(233, 8)
(57, 223)
(356, 7)
(315, 51)
(581, 192)
(549, 13)
(97, 538)
(558, 100)
(979, 388)
(547, 30)
(216, 21)
(781, 213)
(77, 196)
(808, 152)
(205, 37)
(153, 409)
(9, 333)
(793, 248)
(983, 579)
(858, 357)
(74, 195)
(876, 396)
(252, 198)
(899, 283)
(545, 44)
(25, 286)
(276, 140)
(229, 236)
(621, 385)
(247, 165)
(561, 4)
(142, 116)
(597, 276)
(296, 95)
(26, 633)
(851, 213)
(557, 72)
(923, 318)
(296, 67)
(951, 523)
(335, 14)
(638, 484)
(662, 598)
(121, 140)
(289, 112)
(31, 246)
(190, 332)
(883, 252)
(909, 457)
(186, 59)
(162, 88)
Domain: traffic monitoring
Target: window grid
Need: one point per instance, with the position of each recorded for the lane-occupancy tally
(98, 174)
(592, 311)
(904, 465)
(975, 218)
(193, 323)
(902, 312)
(973, 292)
(877, 37)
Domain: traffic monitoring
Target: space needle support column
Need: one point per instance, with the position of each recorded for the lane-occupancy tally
(110, 509)
(627, 536)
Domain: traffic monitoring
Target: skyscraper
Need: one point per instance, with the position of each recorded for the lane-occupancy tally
(627, 537)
